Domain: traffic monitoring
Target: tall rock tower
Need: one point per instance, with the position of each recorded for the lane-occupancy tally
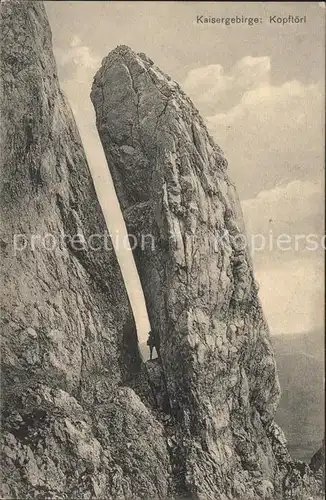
(182, 210)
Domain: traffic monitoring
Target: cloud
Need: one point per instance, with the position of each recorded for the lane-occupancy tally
(268, 132)
(77, 55)
(75, 41)
(292, 294)
(297, 206)
(251, 72)
(291, 275)
(211, 87)
(77, 66)
(274, 132)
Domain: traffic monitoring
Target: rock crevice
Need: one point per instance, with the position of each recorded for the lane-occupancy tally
(72, 426)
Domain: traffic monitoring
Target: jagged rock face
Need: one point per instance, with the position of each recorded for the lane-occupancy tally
(317, 465)
(197, 277)
(68, 334)
(54, 449)
(66, 312)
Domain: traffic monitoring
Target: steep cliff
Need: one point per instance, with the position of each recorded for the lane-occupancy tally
(69, 342)
(186, 227)
(82, 417)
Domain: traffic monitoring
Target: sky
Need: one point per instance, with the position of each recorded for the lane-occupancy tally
(260, 90)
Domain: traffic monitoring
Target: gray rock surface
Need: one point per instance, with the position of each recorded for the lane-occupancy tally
(317, 464)
(66, 313)
(69, 345)
(182, 210)
(52, 448)
(81, 416)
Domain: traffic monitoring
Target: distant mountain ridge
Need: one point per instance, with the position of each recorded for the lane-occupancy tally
(300, 363)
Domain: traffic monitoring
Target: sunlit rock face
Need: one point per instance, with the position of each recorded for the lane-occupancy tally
(183, 212)
(66, 311)
(69, 343)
